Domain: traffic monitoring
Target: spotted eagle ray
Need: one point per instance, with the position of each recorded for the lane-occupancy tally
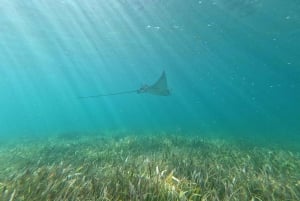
(159, 88)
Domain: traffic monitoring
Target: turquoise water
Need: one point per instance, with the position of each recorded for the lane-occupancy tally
(232, 66)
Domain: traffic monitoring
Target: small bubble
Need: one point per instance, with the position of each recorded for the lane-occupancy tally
(288, 17)
(199, 2)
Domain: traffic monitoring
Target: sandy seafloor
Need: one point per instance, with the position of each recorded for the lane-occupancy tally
(148, 166)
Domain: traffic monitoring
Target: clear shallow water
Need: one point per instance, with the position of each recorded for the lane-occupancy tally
(232, 66)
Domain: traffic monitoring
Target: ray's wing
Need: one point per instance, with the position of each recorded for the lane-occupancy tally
(160, 87)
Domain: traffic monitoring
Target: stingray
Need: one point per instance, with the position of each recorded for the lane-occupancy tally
(159, 88)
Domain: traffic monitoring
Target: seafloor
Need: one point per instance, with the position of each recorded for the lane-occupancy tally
(145, 167)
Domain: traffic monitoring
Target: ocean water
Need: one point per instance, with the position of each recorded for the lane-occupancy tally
(229, 130)
(232, 66)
